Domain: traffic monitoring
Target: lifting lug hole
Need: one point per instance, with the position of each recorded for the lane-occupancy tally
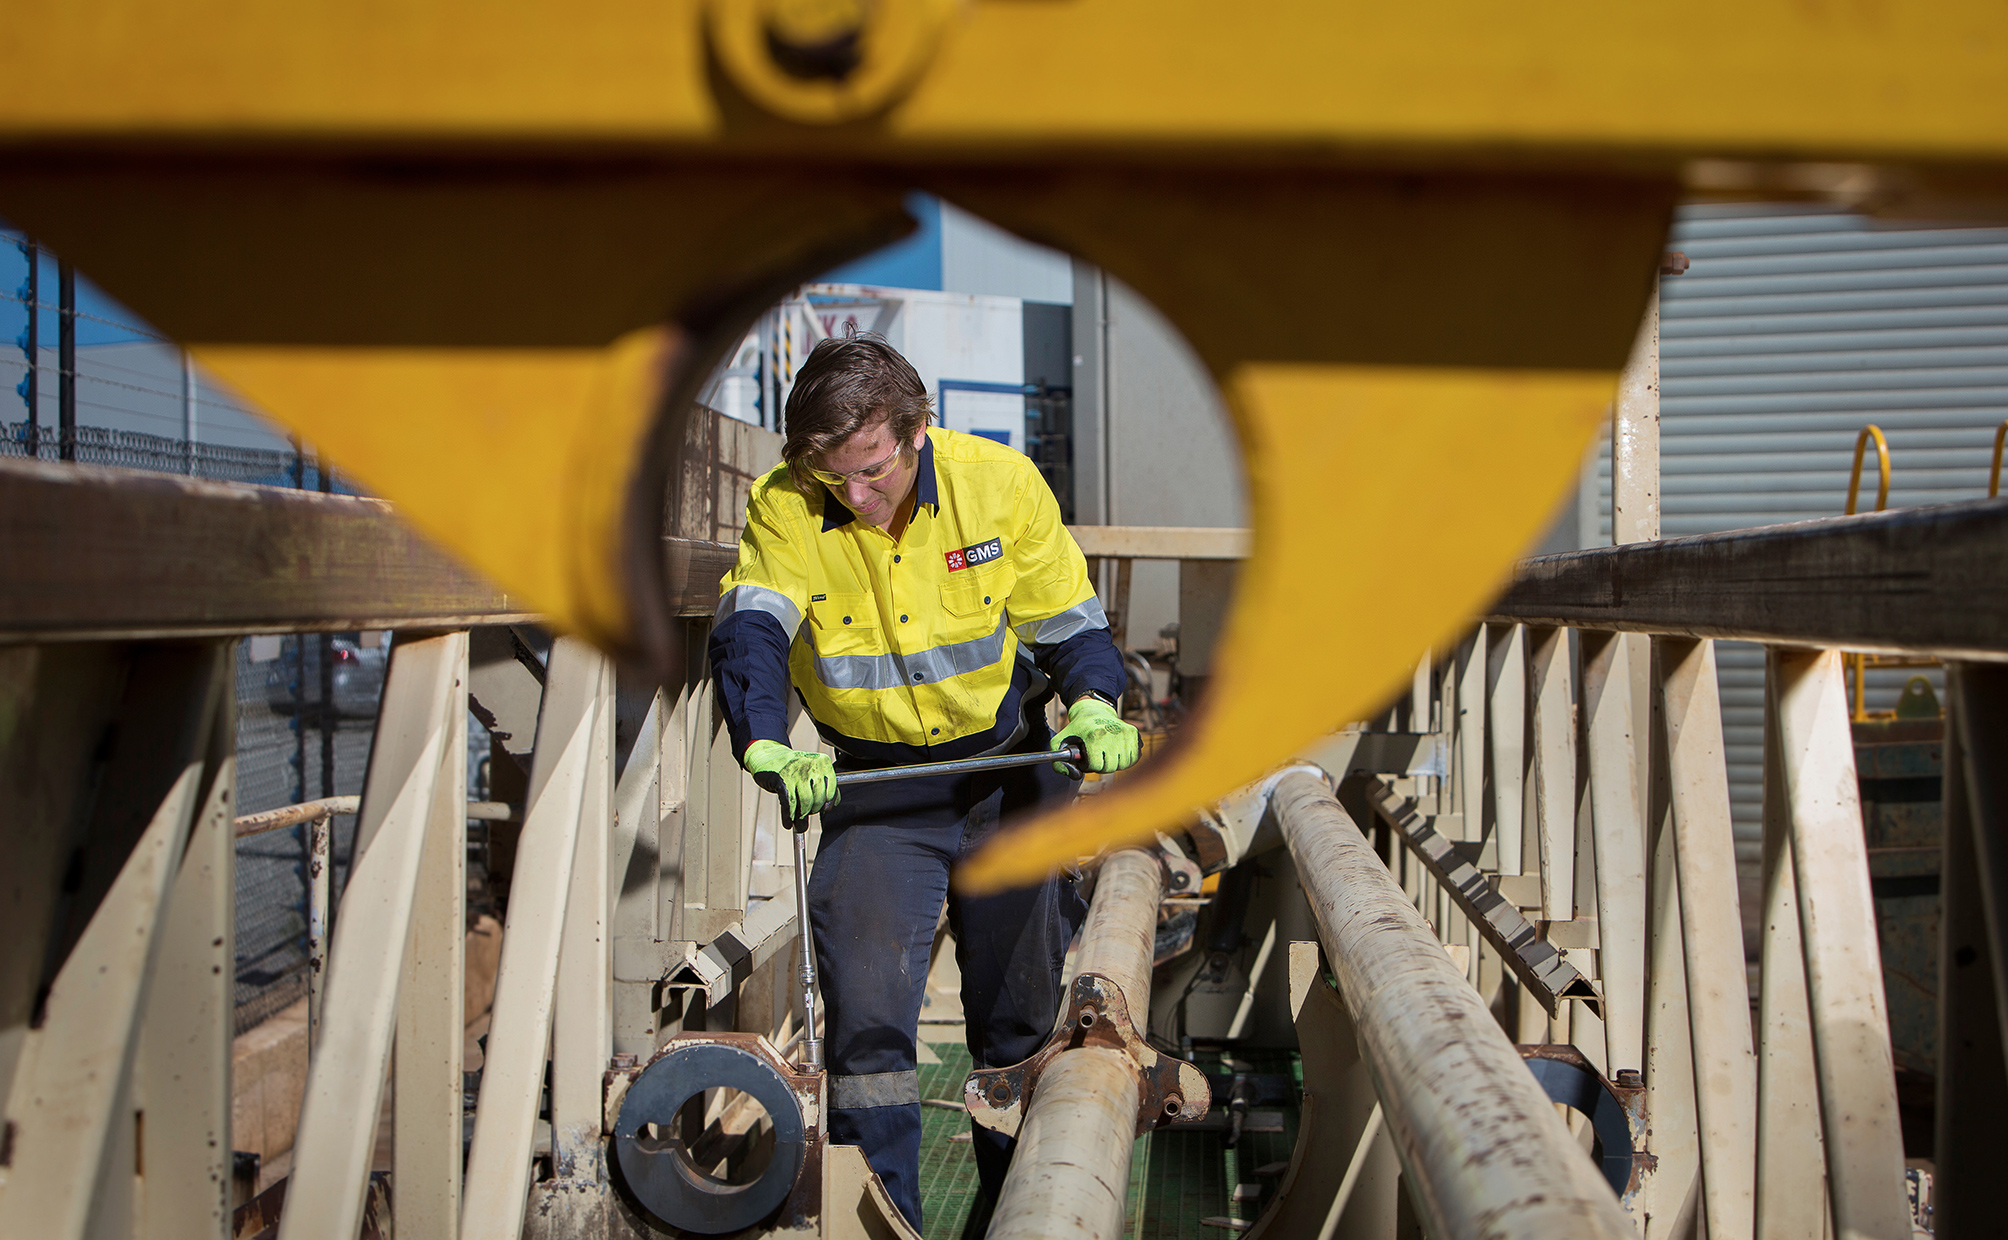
(1172, 1104)
(1088, 1018)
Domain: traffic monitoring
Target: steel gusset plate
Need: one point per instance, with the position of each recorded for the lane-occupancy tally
(658, 1175)
(1169, 1091)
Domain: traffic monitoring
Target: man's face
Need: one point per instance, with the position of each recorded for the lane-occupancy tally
(879, 501)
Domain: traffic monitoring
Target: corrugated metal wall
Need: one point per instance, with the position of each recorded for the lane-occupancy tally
(1794, 326)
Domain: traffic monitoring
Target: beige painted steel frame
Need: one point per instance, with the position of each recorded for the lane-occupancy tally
(1506, 730)
(569, 761)
(1619, 856)
(181, 1081)
(1837, 932)
(1791, 1145)
(1554, 752)
(1725, 1069)
(71, 1114)
(424, 701)
(581, 1033)
(637, 960)
(427, 1086)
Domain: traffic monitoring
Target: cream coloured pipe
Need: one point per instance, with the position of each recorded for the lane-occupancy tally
(1069, 1179)
(1482, 1148)
(1121, 931)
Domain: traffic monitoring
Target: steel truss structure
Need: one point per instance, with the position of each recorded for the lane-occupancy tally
(1549, 801)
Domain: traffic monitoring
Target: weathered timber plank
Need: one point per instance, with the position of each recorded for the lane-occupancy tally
(1920, 580)
(93, 553)
(694, 570)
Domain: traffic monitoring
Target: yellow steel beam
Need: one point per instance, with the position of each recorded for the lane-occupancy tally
(483, 254)
(1764, 77)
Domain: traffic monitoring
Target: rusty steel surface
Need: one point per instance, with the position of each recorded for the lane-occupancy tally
(1615, 1109)
(294, 815)
(1169, 1091)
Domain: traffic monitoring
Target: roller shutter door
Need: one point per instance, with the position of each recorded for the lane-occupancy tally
(1794, 326)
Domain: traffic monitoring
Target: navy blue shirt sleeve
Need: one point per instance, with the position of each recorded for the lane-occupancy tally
(749, 666)
(1086, 661)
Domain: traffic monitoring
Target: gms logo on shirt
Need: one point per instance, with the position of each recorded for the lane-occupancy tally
(972, 556)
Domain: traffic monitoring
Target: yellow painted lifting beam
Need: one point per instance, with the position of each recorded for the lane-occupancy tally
(483, 254)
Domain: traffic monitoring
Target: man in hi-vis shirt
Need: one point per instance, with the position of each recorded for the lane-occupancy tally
(916, 587)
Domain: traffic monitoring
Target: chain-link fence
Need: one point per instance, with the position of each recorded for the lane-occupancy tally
(302, 735)
(290, 748)
(102, 445)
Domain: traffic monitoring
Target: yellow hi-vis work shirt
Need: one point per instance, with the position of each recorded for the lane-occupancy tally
(911, 643)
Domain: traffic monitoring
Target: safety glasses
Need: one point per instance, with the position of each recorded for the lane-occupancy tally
(870, 473)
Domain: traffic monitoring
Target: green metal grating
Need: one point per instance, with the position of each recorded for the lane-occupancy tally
(947, 1168)
(1177, 1177)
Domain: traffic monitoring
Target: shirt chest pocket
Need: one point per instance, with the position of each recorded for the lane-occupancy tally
(971, 607)
(845, 624)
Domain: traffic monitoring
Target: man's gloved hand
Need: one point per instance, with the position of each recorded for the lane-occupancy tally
(1108, 743)
(807, 782)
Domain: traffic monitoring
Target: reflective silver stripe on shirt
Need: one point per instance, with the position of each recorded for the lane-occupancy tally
(760, 598)
(1055, 629)
(879, 1089)
(923, 667)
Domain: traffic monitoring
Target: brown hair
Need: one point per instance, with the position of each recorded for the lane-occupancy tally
(851, 382)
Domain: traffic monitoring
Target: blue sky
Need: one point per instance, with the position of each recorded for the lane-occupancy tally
(912, 263)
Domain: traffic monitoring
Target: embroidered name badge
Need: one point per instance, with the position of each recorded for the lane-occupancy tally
(972, 556)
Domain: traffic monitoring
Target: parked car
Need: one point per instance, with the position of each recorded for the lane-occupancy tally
(294, 681)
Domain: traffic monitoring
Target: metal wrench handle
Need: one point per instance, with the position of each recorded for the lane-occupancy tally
(1069, 753)
(812, 1046)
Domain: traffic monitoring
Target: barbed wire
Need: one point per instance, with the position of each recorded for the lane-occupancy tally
(84, 376)
(135, 329)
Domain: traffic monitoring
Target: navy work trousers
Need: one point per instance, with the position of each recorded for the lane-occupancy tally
(875, 897)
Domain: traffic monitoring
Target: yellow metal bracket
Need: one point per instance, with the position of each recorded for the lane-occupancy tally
(484, 256)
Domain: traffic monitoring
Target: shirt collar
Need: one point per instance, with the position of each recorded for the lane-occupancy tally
(837, 514)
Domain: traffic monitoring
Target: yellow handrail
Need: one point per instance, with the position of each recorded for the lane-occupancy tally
(1861, 710)
(1994, 480)
(1882, 461)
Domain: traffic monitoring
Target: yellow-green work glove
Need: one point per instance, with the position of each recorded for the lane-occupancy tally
(1107, 742)
(807, 782)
